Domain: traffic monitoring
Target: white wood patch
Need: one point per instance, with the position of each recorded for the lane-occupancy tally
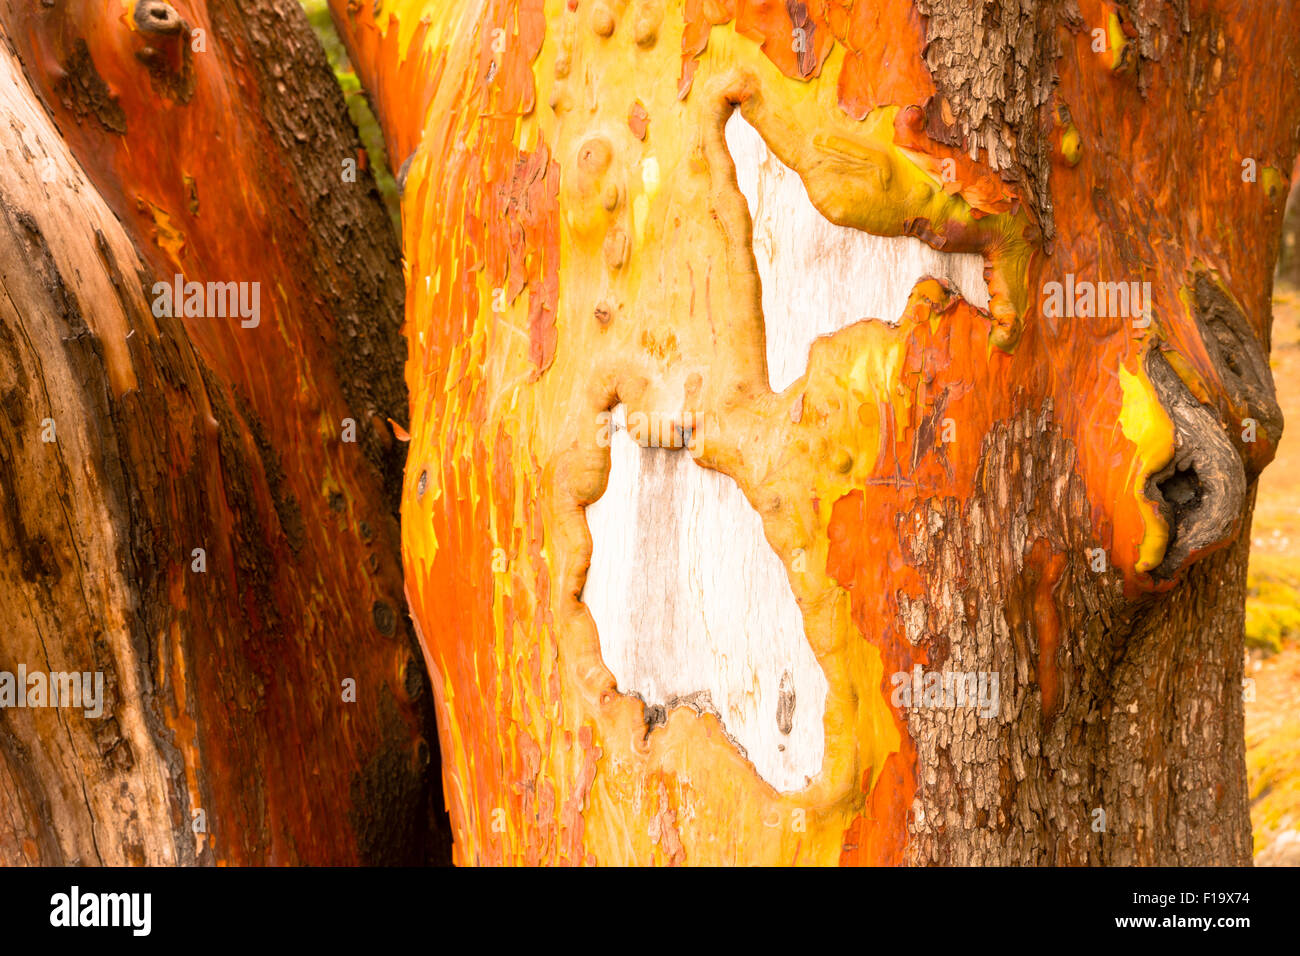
(692, 605)
(689, 598)
(819, 277)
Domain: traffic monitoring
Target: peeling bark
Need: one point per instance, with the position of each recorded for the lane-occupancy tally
(984, 489)
(1001, 490)
(994, 66)
(226, 736)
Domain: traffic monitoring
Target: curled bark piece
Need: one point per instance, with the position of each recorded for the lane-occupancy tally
(1240, 359)
(1201, 491)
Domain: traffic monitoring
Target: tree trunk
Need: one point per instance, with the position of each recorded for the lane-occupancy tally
(701, 492)
(199, 505)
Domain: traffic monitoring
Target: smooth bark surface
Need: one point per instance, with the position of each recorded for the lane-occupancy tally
(1003, 490)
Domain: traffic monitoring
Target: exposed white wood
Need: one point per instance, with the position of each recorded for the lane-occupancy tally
(691, 603)
(689, 598)
(819, 277)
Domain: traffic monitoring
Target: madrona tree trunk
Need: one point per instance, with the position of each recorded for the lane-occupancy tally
(771, 361)
(196, 499)
(834, 428)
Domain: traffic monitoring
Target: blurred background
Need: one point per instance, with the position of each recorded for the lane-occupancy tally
(1273, 605)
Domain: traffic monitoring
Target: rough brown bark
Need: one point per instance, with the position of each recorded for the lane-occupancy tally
(1146, 717)
(225, 687)
(1144, 720)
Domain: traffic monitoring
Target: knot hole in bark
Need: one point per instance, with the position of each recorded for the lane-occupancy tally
(1201, 492)
(166, 52)
(154, 16)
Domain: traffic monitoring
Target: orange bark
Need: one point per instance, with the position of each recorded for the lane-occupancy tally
(214, 132)
(525, 177)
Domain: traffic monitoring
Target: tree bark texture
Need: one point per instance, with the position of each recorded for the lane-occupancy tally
(1058, 495)
(205, 140)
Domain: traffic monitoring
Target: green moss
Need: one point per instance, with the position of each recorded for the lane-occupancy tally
(358, 106)
(1273, 770)
(1272, 602)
